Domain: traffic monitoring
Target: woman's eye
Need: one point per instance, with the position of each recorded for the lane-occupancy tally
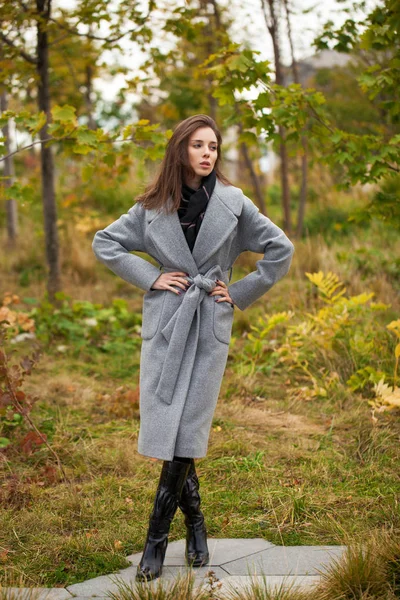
(198, 145)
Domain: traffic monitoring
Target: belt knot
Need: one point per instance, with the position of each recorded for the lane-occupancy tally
(204, 282)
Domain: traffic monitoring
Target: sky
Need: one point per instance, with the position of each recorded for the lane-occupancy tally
(249, 25)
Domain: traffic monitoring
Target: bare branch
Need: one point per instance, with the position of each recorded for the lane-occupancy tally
(61, 139)
(25, 55)
(92, 36)
(59, 39)
(71, 69)
(24, 7)
(25, 148)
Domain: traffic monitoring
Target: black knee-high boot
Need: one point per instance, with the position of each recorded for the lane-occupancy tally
(172, 478)
(197, 554)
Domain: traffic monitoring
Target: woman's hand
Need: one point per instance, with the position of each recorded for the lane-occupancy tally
(219, 289)
(167, 280)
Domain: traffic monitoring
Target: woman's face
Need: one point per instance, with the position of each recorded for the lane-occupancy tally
(202, 150)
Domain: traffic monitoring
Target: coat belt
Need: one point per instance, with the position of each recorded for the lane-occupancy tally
(176, 331)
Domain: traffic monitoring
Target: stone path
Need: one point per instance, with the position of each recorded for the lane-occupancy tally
(235, 562)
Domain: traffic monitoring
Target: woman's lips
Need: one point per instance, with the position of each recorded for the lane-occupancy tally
(205, 165)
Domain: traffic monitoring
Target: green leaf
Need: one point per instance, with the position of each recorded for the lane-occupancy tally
(336, 137)
(33, 122)
(6, 116)
(263, 101)
(86, 136)
(19, 192)
(248, 137)
(109, 159)
(60, 129)
(81, 149)
(224, 96)
(87, 172)
(127, 131)
(65, 113)
(238, 63)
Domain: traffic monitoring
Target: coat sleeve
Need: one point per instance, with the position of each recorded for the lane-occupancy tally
(258, 233)
(112, 247)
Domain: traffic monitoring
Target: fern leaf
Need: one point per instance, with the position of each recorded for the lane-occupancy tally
(327, 285)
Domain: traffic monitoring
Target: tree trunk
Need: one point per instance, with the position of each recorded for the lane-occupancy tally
(11, 204)
(211, 30)
(285, 181)
(289, 30)
(29, 99)
(88, 97)
(304, 158)
(254, 179)
(253, 175)
(47, 161)
(303, 190)
(271, 20)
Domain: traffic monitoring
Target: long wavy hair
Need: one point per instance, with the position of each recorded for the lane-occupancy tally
(175, 166)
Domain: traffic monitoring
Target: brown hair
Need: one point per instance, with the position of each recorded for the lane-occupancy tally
(175, 165)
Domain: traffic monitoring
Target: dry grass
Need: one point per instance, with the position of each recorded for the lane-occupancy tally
(279, 467)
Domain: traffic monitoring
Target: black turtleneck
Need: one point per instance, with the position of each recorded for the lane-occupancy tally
(193, 206)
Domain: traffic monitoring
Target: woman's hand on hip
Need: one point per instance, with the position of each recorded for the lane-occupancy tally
(221, 289)
(173, 278)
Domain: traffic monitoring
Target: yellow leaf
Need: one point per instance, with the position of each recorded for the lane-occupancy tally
(390, 397)
(379, 306)
(394, 399)
(395, 327)
(382, 389)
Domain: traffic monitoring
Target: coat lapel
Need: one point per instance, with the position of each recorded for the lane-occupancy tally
(219, 221)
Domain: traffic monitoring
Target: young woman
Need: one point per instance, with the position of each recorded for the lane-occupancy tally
(194, 223)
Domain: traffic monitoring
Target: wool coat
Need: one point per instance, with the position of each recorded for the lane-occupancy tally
(185, 338)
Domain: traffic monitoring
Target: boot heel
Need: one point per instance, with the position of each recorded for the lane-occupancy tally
(196, 552)
(172, 478)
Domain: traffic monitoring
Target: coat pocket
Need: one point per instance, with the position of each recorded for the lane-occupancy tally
(223, 319)
(153, 302)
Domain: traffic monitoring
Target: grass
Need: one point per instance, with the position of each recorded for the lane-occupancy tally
(294, 471)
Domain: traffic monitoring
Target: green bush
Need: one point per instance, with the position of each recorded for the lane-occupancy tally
(82, 324)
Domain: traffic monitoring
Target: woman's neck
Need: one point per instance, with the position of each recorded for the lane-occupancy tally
(194, 183)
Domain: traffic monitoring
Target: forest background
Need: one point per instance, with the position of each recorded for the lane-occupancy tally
(306, 430)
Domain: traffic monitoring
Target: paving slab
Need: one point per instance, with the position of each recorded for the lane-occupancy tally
(35, 593)
(201, 573)
(271, 582)
(286, 560)
(97, 586)
(221, 551)
(169, 576)
(235, 563)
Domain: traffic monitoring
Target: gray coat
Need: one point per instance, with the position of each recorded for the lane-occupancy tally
(185, 338)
